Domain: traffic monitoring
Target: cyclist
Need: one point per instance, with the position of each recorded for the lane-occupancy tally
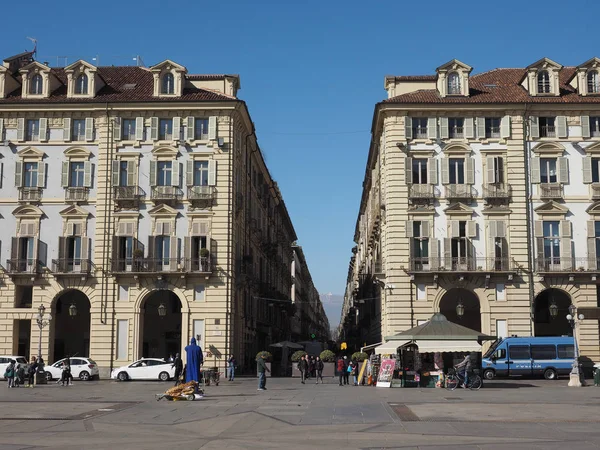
(465, 366)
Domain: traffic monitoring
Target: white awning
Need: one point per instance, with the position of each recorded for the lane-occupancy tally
(389, 348)
(370, 347)
(426, 346)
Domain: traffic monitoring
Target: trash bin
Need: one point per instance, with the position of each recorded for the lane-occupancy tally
(597, 374)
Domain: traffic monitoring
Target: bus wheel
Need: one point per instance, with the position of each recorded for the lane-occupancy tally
(550, 374)
(488, 374)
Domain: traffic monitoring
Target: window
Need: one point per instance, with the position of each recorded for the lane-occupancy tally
(128, 129)
(455, 128)
(81, 84)
(200, 173)
(123, 172)
(30, 174)
(459, 244)
(164, 169)
(595, 170)
(457, 171)
(36, 85)
(420, 243)
(33, 129)
(496, 172)
(548, 172)
(595, 126)
(453, 83)
(162, 247)
(543, 82)
(492, 127)
(73, 249)
(547, 128)
(597, 242)
(165, 129)
(566, 351)
(518, 352)
(500, 354)
(201, 129)
(419, 171)
(419, 127)
(168, 84)
(593, 82)
(551, 241)
(543, 352)
(78, 130)
(76, 174)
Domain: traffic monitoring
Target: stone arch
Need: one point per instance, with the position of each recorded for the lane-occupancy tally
(70, 335)
(543, 322)
(471, 303)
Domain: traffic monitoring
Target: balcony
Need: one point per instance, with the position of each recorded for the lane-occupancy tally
(128, 196)
(23, 266)
(77, 194)
(492, 132)
(30, 194)
(456, 132)
(463, 264)
(551, 191)
(167, 194)
(147, 265)
(71, 266)
(460, 192)
(423, 192)
(596, 191)
(498, 191)
(201, 195)
(199, 265)
(556, 264)
(419, 133)
(547, 131)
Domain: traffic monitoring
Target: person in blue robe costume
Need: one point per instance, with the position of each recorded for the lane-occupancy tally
(194, 361)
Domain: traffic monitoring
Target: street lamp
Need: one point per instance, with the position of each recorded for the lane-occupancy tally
(162, 310)
(42, 321)
(575, 379)
(553, 309)
(460, 308)
(72, 310)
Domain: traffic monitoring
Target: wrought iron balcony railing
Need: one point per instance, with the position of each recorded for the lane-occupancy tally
(202, 264)
(23, 266)
(201, 192)
(554, 264)
(166, 193)
(30, 194)
(71, 266)
(423, 191)
(497, 191)
(77, 194)
(460, 191)
(147, 265)
(462, 264)
(128, 193)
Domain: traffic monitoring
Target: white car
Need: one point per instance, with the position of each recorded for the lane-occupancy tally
(145, 369)
(83, 368)
(5, 360)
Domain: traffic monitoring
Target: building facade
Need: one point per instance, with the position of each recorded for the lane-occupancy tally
(480, 201)
(138, 209)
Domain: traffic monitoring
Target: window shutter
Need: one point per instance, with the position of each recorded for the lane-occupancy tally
(565, 228)
(89, 129)
(443, 127)
(41, 175)
(492, 228)
(432, 168)
(87, 174)
(538, 228)
(1, 129)
(501, 228)
(408, 170)
(535, 170)
(174, 250)
(445, 171)
(540, 252)
(139, 128)
(490, 169)
(67, 129)
(408, 127)
(117, 129)
(153, 173)
(64, 179)
(469, 128)
(212, 172)
(120, 229)
(213, 252)
(591, 228)
(587, 169)
(448, 252)
(470, 166)
(20, 129)
(471, 229)
(131, 173)
(434, 254)
(62, 247)
(189, 172)
(561, 126)
(115, 172)
(585, 126)
(432, 128)
(505, 127)
(154, 128)
(85, 251)
(204, 228)
(591, 256)
(43, 129)
(195, 228)
(176, 128)
(18, 174)
(566, 257)
(176, 169)
(481, 127)
(534, 127)
(14, 248)
(159, 228)
(190, 129)
(409, 228)
(454, 228)
(425, 228)
(151, 242)
(563, 170)
(212, 128)
(187, 251)
(130, 228)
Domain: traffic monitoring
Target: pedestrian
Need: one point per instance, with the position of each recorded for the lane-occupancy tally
(319, 367)
(171, 360)
(20, 375)
(355, 371)
(303, 368)
(346, 372)
(312, 367)
(340, 369)
(261, 365)
(231, 362)
(9, 374)
(66, 378)
(31, 371)
(178, 365)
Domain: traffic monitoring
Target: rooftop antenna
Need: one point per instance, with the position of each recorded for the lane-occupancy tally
(97, 59)
(138, 61)
(34, 40)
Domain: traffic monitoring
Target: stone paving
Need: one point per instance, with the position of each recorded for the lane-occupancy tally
(514, 414)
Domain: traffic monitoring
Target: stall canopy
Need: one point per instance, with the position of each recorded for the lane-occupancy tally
(389, 347)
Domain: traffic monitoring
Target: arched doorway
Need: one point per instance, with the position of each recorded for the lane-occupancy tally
(545, 324)
(71, 324)
(471, 317)
(161, 325)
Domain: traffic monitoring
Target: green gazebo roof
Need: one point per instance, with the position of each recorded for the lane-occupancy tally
(440, 328)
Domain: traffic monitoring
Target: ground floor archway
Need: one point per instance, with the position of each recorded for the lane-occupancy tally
(160, 322)
(471, 310)
(71, 325)
(545, 324)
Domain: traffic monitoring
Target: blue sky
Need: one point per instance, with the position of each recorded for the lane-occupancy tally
(311, 73)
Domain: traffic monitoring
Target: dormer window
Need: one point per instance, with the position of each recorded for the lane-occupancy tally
(168, 84)
(543, 82)
(593, 82)
(81, 84)
(453, 84)
(36, 85)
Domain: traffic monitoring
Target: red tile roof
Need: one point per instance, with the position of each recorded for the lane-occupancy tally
(499, 86)
(415, 77)
(114, 91)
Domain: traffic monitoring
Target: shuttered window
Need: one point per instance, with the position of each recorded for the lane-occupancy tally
(78, 130)
(128, 129)
(492, 127)
(33, 130)
(456, 128)
(548, 170)
(547, 127)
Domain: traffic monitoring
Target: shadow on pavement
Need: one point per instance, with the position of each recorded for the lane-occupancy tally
(507, 385)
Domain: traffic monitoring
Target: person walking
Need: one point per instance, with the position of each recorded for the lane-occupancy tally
(178, 365)
(346, 372)
(9, 374)
(31, 371)
(340, 369)
(312, 367)
(231, 361)
(355, 371)
(303, 368)
(319, 367)
(261, 365)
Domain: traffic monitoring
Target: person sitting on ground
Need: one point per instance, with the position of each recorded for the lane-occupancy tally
(465, 368)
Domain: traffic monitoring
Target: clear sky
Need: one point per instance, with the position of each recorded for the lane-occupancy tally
(311, 73)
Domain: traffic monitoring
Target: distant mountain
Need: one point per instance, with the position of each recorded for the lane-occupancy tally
(332, 304)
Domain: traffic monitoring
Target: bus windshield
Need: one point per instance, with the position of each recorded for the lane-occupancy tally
(493, 347)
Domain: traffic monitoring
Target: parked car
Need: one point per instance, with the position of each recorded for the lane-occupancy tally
(82, 368)
(5, 360)
(145, 369)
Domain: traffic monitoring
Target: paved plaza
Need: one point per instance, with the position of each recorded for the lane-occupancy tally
(514, 414)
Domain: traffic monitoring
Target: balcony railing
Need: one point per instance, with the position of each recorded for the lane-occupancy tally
(551, 191)
(166, 193)
(77, 194)
(128, 193)
(147, 265)
(462, 264)
(460, 191)
(201, 192)
(595, 191)
(202, 264)
(423, 191)
(492, 132)
(419, 133)
(501, 191)
(547, 131)
(30, 194)
(71, 266)
(456, 132)
(23, 266)
(556, 264)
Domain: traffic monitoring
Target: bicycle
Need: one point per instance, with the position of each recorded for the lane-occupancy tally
(453, 379)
